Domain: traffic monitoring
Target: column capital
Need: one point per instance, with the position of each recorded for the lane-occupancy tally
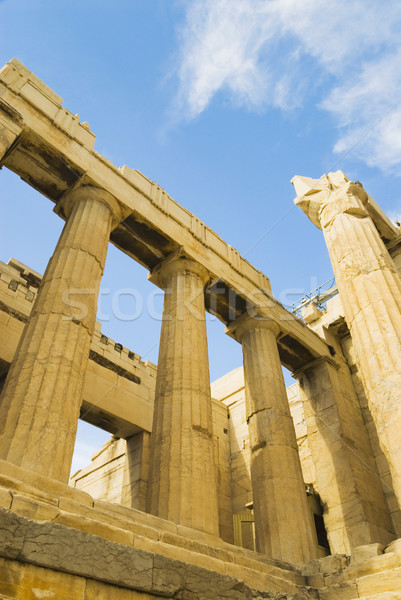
(67, 202)
(322, 199)
(236, 329)
(177, 262)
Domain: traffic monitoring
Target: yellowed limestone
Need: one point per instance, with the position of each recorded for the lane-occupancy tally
(346, 474)
(182, 478)
(282, 518)
(56, 541)
(42, 396)
(370, 289)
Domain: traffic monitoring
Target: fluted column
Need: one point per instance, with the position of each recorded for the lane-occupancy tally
(370, 290)
(182, 483)
(355, 509)
(283, 524)
(40, 403)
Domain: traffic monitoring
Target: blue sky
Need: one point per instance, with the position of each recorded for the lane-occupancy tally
(221, 102)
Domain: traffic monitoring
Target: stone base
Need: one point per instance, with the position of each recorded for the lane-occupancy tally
(57, 542)
(55, 538)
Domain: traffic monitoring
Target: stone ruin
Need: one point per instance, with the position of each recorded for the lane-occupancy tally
(248, 491)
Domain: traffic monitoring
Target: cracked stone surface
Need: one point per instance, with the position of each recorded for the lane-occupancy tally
(188, 582)
(59, 548)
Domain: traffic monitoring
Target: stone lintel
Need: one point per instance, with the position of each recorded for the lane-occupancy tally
(7, 111)
(25, 83)
(11, 128)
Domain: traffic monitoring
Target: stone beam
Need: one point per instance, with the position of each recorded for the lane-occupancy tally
(55, 153)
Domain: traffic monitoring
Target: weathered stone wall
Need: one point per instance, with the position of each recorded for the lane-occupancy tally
(61, 545)
(332, 320)
(17, 294)
(103, 477)
(64, 563)
(222, 451)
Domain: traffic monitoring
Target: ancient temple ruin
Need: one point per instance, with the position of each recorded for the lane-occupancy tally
(242, 490)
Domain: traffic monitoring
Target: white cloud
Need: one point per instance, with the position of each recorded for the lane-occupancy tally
(263, 53)
(368, 110)
(221, 47)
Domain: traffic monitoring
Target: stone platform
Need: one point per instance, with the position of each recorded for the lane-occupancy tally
(71, 546)
(57, 542)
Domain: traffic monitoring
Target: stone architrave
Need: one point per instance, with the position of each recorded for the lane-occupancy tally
(283, 523)
(182, 481)
(41, 399)
(370, 289)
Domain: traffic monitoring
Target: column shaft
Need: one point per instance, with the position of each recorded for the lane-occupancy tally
(283, 524)
(347, 479)
(41, 399)
(182, 483)
(370, 290)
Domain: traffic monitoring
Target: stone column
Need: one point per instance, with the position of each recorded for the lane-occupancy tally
(283, 522)
(182, 482)
(370, 290)
(41, 399)
(355, 509)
